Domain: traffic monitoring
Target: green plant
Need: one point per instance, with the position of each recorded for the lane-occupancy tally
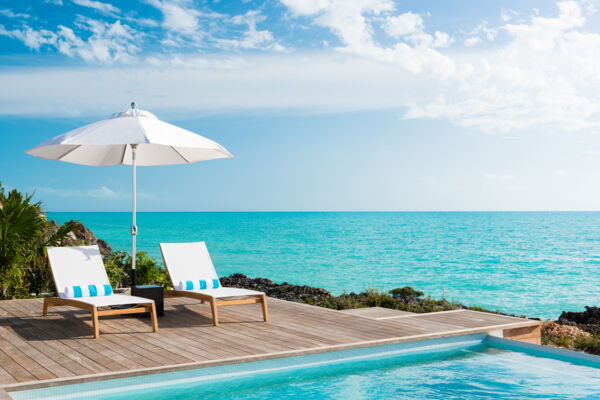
(406, 293)
(147, 270)
(116, 268)
(588, 344)
(24, 235)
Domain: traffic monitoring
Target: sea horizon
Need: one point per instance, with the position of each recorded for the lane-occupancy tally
(535, 263)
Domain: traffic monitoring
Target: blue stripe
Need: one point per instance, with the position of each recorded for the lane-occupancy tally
(93, 290)
(107, 290)
(203, 284)
(189, 285)
(215, 283)
(77, 292)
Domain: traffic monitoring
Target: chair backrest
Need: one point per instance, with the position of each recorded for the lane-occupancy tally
(188, 262)
(78, 265)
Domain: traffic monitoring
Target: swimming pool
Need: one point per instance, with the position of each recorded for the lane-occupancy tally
(472, 366)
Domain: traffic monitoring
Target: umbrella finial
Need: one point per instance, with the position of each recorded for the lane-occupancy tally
(133, 105)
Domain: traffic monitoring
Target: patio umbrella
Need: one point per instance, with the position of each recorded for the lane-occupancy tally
(133, 137)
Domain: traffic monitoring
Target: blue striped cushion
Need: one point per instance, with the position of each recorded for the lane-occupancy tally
(76, 291)
(201, 284)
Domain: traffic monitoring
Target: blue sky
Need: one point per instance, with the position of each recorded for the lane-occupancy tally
(326, 104)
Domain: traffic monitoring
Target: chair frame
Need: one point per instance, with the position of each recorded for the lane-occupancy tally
(222, 302)
(101, 311)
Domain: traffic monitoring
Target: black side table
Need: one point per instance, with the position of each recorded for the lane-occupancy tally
(153, 292)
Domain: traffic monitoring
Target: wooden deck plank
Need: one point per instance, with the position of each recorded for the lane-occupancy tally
(36, 348)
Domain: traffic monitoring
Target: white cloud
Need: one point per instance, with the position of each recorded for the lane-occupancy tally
(252, 38)
(507, 15)
(543, 76)
(97, 5)
(472, 41)
(352, 22)
(403, 24)
(30, 37)
(7, 12)
(180, 19)
(540, 72)
(106, 43)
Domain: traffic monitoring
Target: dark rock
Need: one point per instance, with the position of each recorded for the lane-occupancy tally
(588, 320)
(79, 236)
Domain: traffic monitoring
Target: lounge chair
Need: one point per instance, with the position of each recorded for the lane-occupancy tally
(81, 282)
(193, 275)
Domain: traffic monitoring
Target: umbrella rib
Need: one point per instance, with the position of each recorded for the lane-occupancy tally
(123, 156)
(68, 152)
(180, 155)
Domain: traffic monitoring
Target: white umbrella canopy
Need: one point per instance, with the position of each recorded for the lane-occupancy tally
(133, 137)
(109, 142)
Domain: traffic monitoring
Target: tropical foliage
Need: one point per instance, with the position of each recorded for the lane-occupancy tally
(148, 271)
(24, 235)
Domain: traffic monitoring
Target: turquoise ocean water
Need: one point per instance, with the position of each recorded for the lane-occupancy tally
(533, 263)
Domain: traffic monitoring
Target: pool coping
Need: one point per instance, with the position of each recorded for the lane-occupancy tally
(259, 357)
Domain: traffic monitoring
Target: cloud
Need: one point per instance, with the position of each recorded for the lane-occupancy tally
(252, 38)
(539, 73)
(352, 22)
(34, 39)
(106, 42)
(544, 76)
(105, 8)
(472, 41)
(11, 14)
(403, 24)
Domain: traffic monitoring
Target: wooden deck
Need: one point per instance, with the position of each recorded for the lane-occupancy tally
(37, 351)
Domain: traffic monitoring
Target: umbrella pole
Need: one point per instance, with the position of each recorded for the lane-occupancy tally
(133, 225)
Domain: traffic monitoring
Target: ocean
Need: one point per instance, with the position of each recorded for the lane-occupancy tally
(527, 263)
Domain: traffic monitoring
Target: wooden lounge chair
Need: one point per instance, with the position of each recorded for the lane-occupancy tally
(193, 275)
(81, 282)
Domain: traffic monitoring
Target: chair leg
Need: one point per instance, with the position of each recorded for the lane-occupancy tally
(215, 313)
(95, 323)
(264, 308)
(153, 316)
(45, 313)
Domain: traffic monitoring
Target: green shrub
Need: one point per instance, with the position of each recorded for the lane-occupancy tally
(24, 234)
(588, 344)
(148, 271)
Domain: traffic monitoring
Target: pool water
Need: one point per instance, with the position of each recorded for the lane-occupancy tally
(467, 367)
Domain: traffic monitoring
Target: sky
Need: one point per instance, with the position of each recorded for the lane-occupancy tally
(351, 105)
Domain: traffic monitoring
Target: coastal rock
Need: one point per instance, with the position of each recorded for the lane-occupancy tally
(588, 320)
(79, 236)
(284, 291)
(406, 299)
